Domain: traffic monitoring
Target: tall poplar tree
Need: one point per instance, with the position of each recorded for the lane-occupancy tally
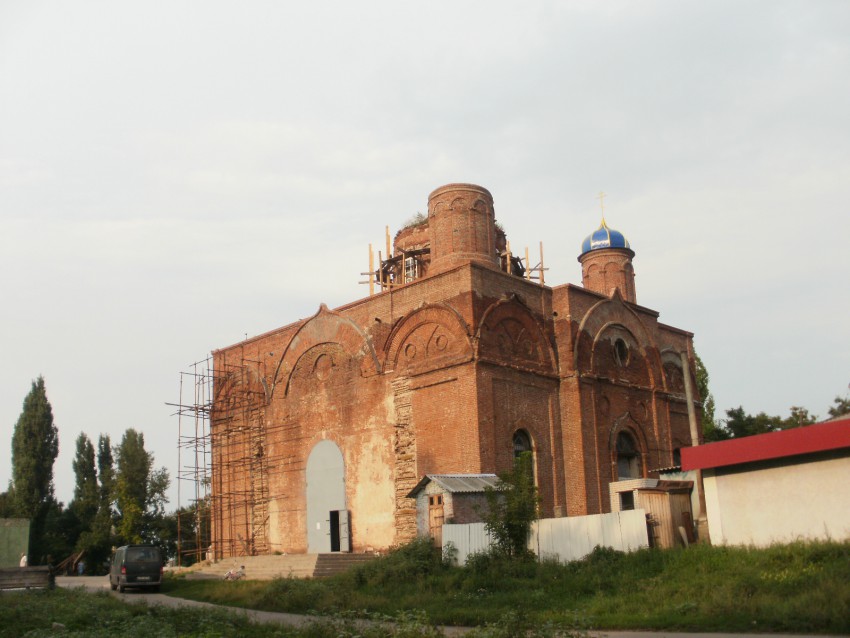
(98, 540)
(35, 445)
(86, 491)
(105, 472)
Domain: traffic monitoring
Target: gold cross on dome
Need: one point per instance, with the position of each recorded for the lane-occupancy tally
(601, 199)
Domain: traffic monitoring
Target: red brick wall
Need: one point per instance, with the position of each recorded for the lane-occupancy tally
(604, 270)
(462, 226)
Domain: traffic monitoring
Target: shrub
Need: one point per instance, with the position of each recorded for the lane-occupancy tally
(417, 220)
(511, 509)
(407, 562)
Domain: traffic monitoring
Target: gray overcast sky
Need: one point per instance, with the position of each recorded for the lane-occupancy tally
(174, 175)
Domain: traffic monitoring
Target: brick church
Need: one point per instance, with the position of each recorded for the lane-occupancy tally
(321, 429)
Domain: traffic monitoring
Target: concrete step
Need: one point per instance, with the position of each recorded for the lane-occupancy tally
(281, 566)
(332, 564)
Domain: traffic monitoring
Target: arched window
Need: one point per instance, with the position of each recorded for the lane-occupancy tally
(621, 353)
(522, 446)
(522, 443)
(628, 457)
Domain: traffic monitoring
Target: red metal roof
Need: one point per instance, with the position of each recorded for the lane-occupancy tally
(820, 437)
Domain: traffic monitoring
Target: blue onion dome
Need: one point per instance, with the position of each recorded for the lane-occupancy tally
(604, 237)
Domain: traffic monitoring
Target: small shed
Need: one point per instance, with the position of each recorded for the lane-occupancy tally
(668, 513)
(668, 505)
(450, 498)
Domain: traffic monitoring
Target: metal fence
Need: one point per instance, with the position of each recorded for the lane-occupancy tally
(561, 539)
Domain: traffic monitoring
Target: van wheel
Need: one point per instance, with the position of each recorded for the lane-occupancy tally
(155, 589)
(112, 586)
(120, 588)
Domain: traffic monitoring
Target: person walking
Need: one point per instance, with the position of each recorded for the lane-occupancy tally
(24, 561)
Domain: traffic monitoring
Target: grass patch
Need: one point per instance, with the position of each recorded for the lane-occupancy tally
(801, 587)
(33, 614)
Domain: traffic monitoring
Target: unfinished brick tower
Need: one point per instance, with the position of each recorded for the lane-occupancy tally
(321, 428)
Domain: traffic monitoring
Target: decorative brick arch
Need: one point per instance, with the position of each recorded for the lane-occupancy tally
(509, 335)
(240, 387)
(325, 363)
(432, 337)
(604, 315)
(326, 327)
(633, 365)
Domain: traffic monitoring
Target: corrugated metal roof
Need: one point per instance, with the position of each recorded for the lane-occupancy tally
(457, 483)
(667, 470)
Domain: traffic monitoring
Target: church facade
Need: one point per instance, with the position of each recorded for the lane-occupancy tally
(320, 429)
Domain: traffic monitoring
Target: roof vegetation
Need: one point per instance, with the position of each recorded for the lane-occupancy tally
(419, 219)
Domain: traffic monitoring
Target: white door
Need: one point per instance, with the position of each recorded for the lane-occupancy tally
(325, 493)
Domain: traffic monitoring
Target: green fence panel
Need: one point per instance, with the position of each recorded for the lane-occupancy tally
(14, 540)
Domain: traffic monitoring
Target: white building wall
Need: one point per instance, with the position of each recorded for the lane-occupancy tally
(779, 504)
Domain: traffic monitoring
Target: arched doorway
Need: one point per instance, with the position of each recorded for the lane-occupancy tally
(327, 517)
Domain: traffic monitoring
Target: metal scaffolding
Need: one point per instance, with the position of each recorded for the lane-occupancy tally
(223, 467)
(194, 466)
(405, 266)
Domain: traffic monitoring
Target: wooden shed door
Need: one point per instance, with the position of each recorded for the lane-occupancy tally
(436, 518)
(667, 513)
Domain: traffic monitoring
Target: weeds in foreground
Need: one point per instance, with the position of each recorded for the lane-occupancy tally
(38, 614)
(76, 614)
(801, 587)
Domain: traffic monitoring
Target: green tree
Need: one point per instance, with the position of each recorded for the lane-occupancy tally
(194, 540)
(82, 511)
(139, 489)
(105, 473)
(35, 444)
(841, 407)
(59, 533)
(711, 429)
(97, 541)
(512, 506)
(194, 531)
(798, 418)
(740, 423)
(7, 504)
(86, 491)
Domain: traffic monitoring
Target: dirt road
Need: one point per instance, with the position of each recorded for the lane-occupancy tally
(101, 583)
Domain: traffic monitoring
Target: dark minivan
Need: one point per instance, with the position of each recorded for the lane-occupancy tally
(136, 566)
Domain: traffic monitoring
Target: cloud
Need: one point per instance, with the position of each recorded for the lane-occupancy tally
(172, 179)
